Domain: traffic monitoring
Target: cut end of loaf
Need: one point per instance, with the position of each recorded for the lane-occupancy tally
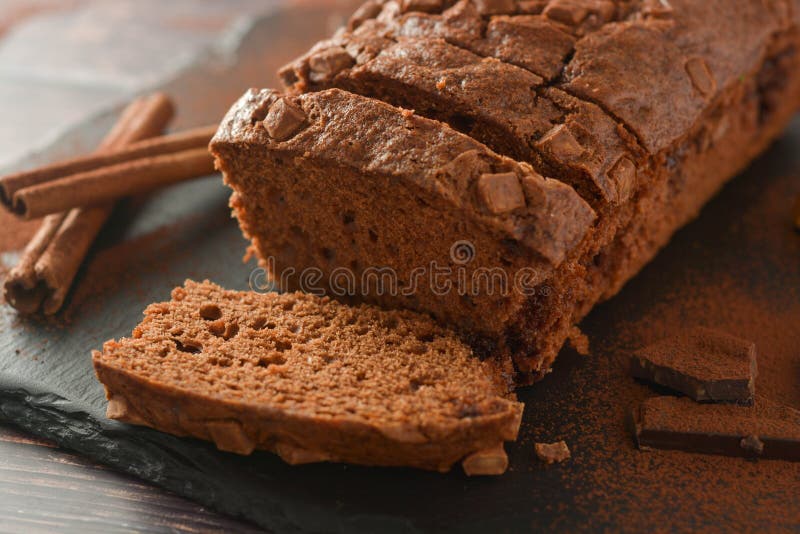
(308, 378)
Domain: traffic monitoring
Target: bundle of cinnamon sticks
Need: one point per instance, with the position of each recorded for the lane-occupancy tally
(76, 197)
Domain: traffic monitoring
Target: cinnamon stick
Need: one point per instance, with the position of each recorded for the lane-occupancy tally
(168, 144)
(110, 183)
(44, 274)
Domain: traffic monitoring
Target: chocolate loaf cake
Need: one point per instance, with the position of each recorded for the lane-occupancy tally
(363, 164)
(642, 108)
(310, 379)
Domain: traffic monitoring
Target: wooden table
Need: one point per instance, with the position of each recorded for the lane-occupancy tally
(44, 488)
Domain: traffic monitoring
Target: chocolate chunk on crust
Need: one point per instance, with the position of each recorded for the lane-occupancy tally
(704, 364)
(766, 430)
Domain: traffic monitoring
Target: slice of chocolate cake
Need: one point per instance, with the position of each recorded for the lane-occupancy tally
(311, 380)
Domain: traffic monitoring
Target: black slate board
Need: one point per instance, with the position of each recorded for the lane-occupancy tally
(47, 385)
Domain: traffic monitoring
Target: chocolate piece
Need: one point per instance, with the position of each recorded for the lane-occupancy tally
(495, 7)
(766, 430)
(501, 193)
(575, 12)
(284, 119)
(325, 64)
(533, 7)
(704, 364)
(561, 144)
(623, 177)
(425, 6)
(552, 452)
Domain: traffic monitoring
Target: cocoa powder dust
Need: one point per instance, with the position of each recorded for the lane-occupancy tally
(736, 269)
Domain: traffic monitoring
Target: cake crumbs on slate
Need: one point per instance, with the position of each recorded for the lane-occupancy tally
(551, 453)
(492, 461)
(705, 364)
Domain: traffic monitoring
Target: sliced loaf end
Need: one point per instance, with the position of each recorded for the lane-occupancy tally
(308, 378)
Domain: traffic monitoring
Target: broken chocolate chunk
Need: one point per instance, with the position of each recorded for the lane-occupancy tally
(704, 364)
(766, 430)
(623, 175)
(325, 64)
(561, 143)
(566, 12)
(531, 7)
(424, 6)
(501, 193)
(495, 7)
(284, 119)
(575, 12)
(552, 452)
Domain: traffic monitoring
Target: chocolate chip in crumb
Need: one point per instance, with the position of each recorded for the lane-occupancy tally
(561, 143)
(501, 193)
(495, 7)
(425, 6)
(623, 176)
(284, 119)
(327, 63)
(210, 312)
(701, 76)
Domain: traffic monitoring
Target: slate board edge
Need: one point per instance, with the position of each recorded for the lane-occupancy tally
(60, 420)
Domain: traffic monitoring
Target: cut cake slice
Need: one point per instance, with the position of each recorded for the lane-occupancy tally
(310, 379)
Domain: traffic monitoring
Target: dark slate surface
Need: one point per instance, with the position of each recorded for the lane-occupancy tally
(47, 385)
